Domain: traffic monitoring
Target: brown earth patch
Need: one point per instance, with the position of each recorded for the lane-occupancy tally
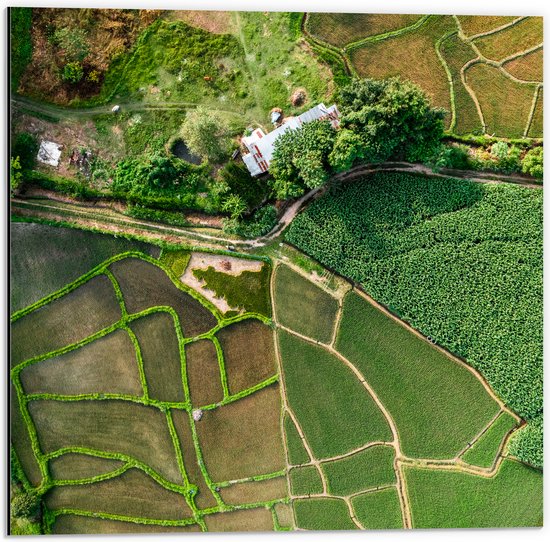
(249, 492)
(217, 22)
(203, 373)
(257, 519)
(73, 466)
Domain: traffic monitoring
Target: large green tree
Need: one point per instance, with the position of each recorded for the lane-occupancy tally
(206, 134)
(300, 159)
(385, 120)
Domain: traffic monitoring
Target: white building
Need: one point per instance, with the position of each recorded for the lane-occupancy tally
(260, 145)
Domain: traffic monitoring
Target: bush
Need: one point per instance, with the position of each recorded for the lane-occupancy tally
(16, 177)
(72, 72)
(24, 505)
(261, 223)
(452, 157)
(25, 146)
(533, 163)
(166, 217)
(72, 42)
(253, 190)
(527, 443)
(20, 23)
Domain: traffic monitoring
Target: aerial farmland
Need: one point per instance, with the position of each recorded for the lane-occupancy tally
(270, 273)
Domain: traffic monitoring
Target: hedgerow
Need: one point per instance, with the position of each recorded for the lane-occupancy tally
(461, 262)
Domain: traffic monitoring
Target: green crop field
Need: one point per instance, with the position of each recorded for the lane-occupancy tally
(434, 51)
(322, 514)
(335, 420)
(297, 454)
(450, 257)
(436, 415)
(302, 306)
(378, 509)
(367, 469)
(112, 446)
(453, 499)
(305, 481)
(485, 450)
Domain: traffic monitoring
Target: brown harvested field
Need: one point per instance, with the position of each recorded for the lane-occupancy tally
(536, 128)
(73, 466)
(528, 67)
(456, 54)
(477, 24)
(203, 373)
(138, 431)
(340, 29)
(204, 498)
(67, 320)
(243, 438)
(504, 103)
(249, 354)
(21, 442)
(256, 519)
(107, 365)
(145, 285)
(520, 37)
(217, 22)
(411, 56)
(159, 347)
(133, 493)
(69, 524)
(247, 492)
(284, 514)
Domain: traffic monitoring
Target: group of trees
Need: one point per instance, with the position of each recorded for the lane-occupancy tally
(381, 120)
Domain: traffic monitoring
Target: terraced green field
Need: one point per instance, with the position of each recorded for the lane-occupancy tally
(483, 70)
(103, 403)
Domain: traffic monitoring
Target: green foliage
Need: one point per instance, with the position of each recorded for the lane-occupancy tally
(16, 177)
(20, 22)
(73, 72)
(409, 239)
(206, 134)
(300, 159)
(305, 481)
(451, 157)
(533, 162)
(252, 190)
(25, 146)
(234, 205)
(334, 419)
(248, 291)
(484, 451)
(73, 44)
(527, 443)
(443, 499)
(302, 306)
(259, 224)
(367, 469)
(392, 118)
(24, 504)
(297, 454)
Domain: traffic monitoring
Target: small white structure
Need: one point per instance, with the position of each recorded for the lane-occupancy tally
(115, 109)
(260, 145)
(49, 153)
(197, 414)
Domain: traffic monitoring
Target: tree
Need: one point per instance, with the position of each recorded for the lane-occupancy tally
(73, 43)
(383, 120)
(16, 177)
(72, 72)
(25, 146)
(300, 159)
(206, 134)
(533, 162)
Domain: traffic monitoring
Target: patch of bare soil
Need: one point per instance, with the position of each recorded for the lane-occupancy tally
(217, 22)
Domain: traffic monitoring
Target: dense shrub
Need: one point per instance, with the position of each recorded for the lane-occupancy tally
(237, 179)
(261, 223)
(527, 443)
(20, 22)
(533, 162)
(461, 262)
(451, 157)
(25, 146)
(167, 217)
(72, 72)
